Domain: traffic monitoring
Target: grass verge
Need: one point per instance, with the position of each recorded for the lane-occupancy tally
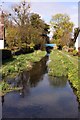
(63, 65)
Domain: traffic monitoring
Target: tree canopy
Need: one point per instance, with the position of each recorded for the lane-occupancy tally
(26, 28)
(62, 29)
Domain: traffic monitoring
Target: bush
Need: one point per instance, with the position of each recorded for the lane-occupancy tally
(65, 48)
(37, 47)
(24, 51)
(6, 54)
(59, 47)
(75, 52)
(70, 49)
(79, 51)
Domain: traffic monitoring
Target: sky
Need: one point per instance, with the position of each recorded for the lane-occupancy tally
(47, 8)
(42, 0)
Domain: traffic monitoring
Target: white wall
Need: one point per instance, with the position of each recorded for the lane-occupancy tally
(1, 44)
(77, 44)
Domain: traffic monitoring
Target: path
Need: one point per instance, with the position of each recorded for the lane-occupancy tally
(73, 60)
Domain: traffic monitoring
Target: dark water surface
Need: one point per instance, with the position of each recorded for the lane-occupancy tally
(41, 96)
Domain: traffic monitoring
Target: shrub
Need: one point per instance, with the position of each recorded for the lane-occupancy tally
(59, 47)
(79, 49)
(75, 52)
(70, 49)
(78, 53)
(65, 48)
(24, 51)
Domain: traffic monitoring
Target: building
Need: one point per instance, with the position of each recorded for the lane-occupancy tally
(2, 33)
(77, 43)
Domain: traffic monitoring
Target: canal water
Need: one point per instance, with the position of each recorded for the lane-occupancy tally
(41, 97)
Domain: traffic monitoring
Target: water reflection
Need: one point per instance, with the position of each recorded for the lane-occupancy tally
(36, 74)
(2, 100)
(41, 100)
(31, 79)
(24, 83)
(60, 81)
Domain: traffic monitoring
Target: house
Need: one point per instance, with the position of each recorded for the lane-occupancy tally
(77, 43)
(1, 30)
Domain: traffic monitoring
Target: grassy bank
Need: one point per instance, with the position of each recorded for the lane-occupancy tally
(19, 63)
(5, 88)
(14, 66)
(64, 65)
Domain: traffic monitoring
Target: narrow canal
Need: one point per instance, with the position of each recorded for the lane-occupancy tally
(41, 96)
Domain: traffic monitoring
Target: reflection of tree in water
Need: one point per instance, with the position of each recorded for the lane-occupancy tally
(79, 107)
(30, 79)
(36, 74)
(27, 79)
(23, 81)
(2, 100)
(58, 81)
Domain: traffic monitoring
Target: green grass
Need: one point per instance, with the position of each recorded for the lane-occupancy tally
(63, 65)
(5, 88)
(57, 66)
(19, 63)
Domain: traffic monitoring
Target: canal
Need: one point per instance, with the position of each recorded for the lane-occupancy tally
(42, 96)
